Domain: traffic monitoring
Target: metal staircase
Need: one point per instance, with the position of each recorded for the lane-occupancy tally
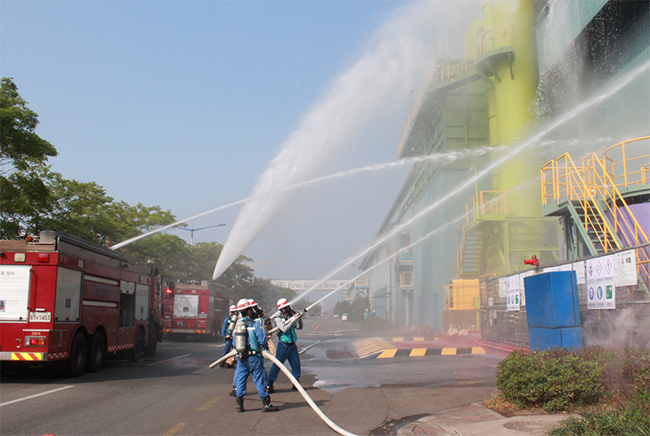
(589, 195)
(486, 206)
(471, 251)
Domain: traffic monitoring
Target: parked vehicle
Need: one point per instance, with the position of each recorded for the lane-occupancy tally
(66, 299)
(196, 310)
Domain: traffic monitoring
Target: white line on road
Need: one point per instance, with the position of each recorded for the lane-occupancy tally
(169, 360)
(37, 395)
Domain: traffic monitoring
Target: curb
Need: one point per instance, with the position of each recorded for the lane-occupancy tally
(498, 349)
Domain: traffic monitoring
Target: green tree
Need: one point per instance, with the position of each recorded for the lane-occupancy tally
(169, 253)
(22, 154)
(342, 307)
(81, 209)
(20, 146)
(265, 294)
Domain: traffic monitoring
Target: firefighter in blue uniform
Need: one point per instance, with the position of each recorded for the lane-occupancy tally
(287, 348)
(249, 341)
(228, 330)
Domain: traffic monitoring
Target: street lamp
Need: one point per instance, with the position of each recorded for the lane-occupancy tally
(252, 265)
(196, 230)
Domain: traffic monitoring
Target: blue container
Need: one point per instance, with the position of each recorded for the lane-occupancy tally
(542, 338)
(552, 300)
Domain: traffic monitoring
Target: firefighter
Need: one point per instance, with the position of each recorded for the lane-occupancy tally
(264, 322)
(249, 341)
(228, 330)
(287, 348)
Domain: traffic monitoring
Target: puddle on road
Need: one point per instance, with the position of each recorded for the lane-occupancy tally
(338, 354)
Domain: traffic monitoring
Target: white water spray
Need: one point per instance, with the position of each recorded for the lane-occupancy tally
(381, 262)
(396, 59)
(528, 143)
(442, 158)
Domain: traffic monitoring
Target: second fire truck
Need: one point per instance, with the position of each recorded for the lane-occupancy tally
(196, 309)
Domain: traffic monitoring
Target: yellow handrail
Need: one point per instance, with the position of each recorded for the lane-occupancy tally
(504, 35)
(492, 39)
(629, 170)
(592, 182)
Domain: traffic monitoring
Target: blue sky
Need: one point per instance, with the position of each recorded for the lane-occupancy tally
(183, 104)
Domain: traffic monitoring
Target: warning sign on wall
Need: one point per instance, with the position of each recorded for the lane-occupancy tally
(601, 292)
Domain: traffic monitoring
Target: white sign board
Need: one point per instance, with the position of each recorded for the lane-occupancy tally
(513, 296)
(601, 292)
(303, 285)
(579, 268)
(522, 289)
(503, 287)
(14, 291)
(625, 268)
(513, 302)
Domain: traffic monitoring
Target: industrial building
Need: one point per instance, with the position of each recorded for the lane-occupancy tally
(535, 131)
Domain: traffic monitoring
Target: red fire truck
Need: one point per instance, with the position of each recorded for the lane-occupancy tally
(199, 310)
(65, 299)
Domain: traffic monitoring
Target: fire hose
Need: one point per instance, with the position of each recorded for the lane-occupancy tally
(304, 394)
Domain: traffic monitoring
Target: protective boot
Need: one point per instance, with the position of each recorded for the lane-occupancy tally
(268, 407)
(240, 404)
(233, 393)
(270, 389)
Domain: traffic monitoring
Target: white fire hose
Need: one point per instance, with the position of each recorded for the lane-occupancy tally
(306, 396)
(295, 382)
(233, 353)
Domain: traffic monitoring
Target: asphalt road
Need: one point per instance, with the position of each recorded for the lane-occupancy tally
(174, 392)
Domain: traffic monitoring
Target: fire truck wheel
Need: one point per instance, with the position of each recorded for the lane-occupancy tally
(138, 349)
(78, 353)
(150, 349)
(97, 353)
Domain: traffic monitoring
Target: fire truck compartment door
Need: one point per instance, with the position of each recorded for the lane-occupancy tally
(186, 306)
(15, 283)
(68, 295)
(141, 302)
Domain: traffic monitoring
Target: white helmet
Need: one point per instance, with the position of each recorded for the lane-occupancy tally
(252, 303)
(282, 303)
(233, 308)
(242, 304)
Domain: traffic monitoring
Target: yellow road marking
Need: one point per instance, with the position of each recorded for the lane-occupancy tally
(418, 339)
(418, 352)
(175, 429)
(448, 351)
(478, 350)
(210, 403)
(387, 354)
(398, 339)
(371, 346)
